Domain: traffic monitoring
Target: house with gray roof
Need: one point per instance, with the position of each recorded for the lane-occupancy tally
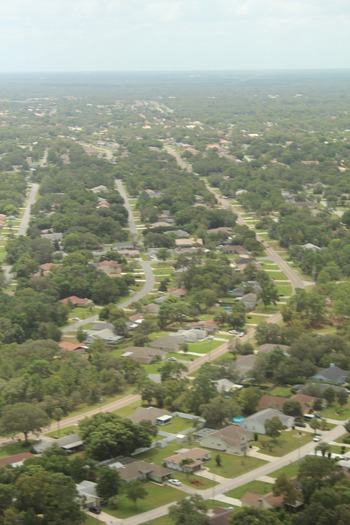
(168, 343)
(143, 354)
(232, 439)
(87, 491)
(333, 374)
(256, 422)
(250, 300)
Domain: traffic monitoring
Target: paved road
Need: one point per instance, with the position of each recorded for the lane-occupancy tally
(22, 230)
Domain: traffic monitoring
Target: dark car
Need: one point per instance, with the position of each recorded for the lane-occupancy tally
(95, 509)
(300, 424)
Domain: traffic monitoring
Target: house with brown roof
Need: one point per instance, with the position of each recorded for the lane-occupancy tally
(16, 460)
(219, 516)
(143, 471)
(143, 354)
(73, 301)
(148, 413)
(231, 439)
(196, 455)
(267, 501)
(306, 402)
(267, 401)
(77, 348)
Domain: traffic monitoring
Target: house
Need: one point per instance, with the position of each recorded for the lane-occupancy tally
(244, 364)
(109, 267)
(87, 491)
(268, 501)
(179, 234)
(148, 414)
(16, 460)
(225, 386)
(71, 443)
(152, 308)
(242, 262)
(196, 455)
(144, 355)
(256, 422)
(250, 300)
(333, 374)
(219, 516)
(267, 401)
(268, 347)
(210, 326)
(192, 336)
(53, 237)
(99, 189)
(73, 301)
(232, 439)
(143, 471)
(77, 348)
(306, 402)
(168, 343)
(97, 327)
(106, 335)
(187, 244)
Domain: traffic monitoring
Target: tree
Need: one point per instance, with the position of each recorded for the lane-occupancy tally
(254, 516)
(108, 483)
(106, 436)
(273, 427)
(287, 488)
(172, 370)
(268, 293)
(218, 410)
(249, 399)
(292, 408)
(189, 511)
(218, 460)
(329, 395)
(23, 417)
(323, 447)
(342, 397)
(347, 426)
(135, 490)
(315, 424)
(185, 465)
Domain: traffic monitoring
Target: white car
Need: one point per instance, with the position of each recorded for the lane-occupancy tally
(233, 332)
(317, 438)
(174, 482)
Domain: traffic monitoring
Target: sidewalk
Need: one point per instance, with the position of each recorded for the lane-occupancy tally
(254, 453)
(230, 501)
(204, 473)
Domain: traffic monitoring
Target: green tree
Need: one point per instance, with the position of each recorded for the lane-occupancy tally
(189, 511)
(286, 487)
(292, 408)
(135, 490)
(23, 417)
(273, 427)
(108, 483)
(254, 516)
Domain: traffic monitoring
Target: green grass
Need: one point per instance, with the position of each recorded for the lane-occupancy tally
(158, 495)
(261, 309)
(287, 442)
(157, 455)
(177, 425)
(91, 520)
(277, 275)
(13, 448)
(203, 347)
(260, 487)
(336, 412)
(290, 470)
(233, 466)
(283, 391)
(204, 482)
(127, 410)
(62, 432)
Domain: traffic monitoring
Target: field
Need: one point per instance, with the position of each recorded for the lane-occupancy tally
(254, 486)
(287, 442)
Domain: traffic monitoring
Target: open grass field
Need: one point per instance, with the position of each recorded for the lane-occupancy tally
(158, 495)
(290, 470)
(260, 487)
(13, 448)
(287, 442)
(233, 466)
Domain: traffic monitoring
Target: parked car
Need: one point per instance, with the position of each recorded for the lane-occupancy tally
(175, 482)
(172, 359)
(300, 424)
(94, 509)
(233, 332)
(317, 438)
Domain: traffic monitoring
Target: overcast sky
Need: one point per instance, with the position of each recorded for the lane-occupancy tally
(139, 35)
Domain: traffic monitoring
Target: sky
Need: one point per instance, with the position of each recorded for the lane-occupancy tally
(171, 35)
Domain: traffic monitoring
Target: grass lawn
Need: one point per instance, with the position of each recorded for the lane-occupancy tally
(204, 482)
(62, 432)
(283, 391)
(233, 466)
(261, 309)
(157, 455)
(287, 442)
(13, 448)
(127, 410)
(290, 470)
(336, 412)
(284, 288)
(203, 347)
(260, 487)
(91, 520)
(277, 275)
(177, 425)
(158, 495)
(82, 313)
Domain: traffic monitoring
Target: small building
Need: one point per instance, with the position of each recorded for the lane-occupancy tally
(77, 348)
(144, 355)
(164, 420)
(148, 414)
(87, 491)
(256, 422)
(232, 439)
(71, 443)
(197, 456)
(168, 343)
(143, 471)
(333, 374)
(250, 300)
(73, 301)
(225, 386)
(106, 335)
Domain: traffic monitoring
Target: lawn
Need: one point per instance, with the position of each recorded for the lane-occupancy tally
(158, 495)
(290, 470)
(280, 276)
(127, 410)
(287, 442)
(205, 346)
(177, 425)
(283, 391)
(157, 455)
(336, 412)
(284, 288)
(260, 487)
(13, 448)
(62, 432)
(82, 313)
(261, 309)
(233, 466)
